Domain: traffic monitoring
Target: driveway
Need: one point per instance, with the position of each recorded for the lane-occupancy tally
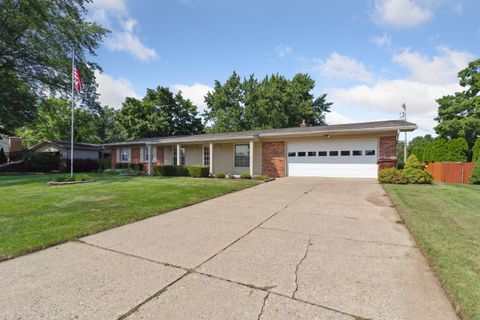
(295, 248)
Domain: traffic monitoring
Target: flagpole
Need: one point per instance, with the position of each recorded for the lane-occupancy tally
(72, 110)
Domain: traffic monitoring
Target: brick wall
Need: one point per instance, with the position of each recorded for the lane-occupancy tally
(114, 157)
(15, 144)
(387, 156)
(160, 156)
(273, 158)
(135, 155)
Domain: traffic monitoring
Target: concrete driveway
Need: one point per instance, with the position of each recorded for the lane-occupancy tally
(295, 248)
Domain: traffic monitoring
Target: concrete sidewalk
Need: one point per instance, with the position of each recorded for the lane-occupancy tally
(289, 249)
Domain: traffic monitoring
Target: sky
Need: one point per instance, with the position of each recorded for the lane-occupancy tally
(369, 56)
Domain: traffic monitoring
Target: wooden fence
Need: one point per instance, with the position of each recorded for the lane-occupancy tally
(451, 172)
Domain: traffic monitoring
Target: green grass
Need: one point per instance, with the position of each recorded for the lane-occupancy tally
(34, 215)
(445, 221)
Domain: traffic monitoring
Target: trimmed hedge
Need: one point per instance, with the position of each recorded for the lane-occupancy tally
(414, 173)
(41, 162)
(475, 177)
(392, 176)
(194, 171)
(82, 165)
(133, 166)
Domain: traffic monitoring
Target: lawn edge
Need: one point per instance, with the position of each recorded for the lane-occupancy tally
(33, 250)
(456, 307)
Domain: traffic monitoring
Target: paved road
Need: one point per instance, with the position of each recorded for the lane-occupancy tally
(289, 249)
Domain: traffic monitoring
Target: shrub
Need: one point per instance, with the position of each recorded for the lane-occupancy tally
(41, 162)
(475, 177)
(166, 171)
(392, 175)
(262, 177)
(418, 176)
(105, 163)
(122, 166)
(457, 150)
(198, 171)
(131, 166)
(413, 163)
(75, 177)
(220, 175)
(476, 151)
(3, 157)
(245, 175)
(82, 165)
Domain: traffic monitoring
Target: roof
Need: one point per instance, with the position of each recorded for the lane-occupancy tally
(361, 127)
(66, 145)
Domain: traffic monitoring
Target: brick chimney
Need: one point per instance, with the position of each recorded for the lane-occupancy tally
(15, 144)
(303, 124)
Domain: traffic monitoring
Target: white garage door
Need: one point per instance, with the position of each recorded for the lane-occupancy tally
(333, 158)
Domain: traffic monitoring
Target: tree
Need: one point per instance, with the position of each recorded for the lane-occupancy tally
(476, 151)
(274, 102)
(36, 41)
(475, 177)
(159, 113)
(108, 128)
(418, 142)
(400, 154)
(434, 151)
(3, 157)
(457, 150)
(53, 123)
(226, 104)
(459, 114)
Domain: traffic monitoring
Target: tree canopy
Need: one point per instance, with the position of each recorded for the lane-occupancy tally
(159, 113)
(459, 114)
(274, 102)
(37, 38)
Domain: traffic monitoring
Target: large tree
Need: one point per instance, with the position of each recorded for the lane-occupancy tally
(459, 114)
(52, 122)
(37, 38)
(274, 102)
(159, 113)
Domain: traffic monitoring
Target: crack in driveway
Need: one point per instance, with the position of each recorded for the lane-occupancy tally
(309, 243)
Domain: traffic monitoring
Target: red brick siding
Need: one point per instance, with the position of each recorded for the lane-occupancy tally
(273, 158)
(160, 156)
(16, 144)
(135, 155)
(387, 156)
(114, 157)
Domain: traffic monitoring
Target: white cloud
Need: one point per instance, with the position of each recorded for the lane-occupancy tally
(338, 66)
(440, 69)
(402, 13)
(195, 93)
(382, 41)
(283, 50)
(129, 42)
(111, 13)
(334, 117)
(113, 91)
(430, 78)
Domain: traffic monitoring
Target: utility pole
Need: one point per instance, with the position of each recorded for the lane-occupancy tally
(403, 116)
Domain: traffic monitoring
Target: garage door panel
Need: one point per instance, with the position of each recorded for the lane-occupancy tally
(313, 162)
(333, 170)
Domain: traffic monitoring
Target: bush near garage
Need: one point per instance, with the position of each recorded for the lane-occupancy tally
(475, 177)
(245, 175)
(414, 173)
(82, 165)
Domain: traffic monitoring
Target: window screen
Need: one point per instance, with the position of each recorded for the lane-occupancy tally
(242, 155)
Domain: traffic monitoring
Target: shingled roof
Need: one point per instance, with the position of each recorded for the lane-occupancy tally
(361, 127)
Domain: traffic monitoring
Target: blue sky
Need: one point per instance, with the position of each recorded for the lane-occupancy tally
(369, 56)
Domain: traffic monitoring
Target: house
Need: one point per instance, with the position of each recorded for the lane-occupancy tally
(80, 150)
(356, 150)
(11, 146)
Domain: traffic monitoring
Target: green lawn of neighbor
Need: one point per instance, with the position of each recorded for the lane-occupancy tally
(445, 221)
(34, 215)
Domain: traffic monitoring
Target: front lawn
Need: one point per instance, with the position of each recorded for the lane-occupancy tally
(34, 215)
(445, 221)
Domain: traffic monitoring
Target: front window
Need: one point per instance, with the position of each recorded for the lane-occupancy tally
(242, 155)
(206, 155)
(182, 155)
(124, 155)
(152, 153)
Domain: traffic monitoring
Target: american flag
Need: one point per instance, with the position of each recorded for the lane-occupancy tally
(77, 78)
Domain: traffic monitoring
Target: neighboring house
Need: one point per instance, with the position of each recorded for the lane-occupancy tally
(11, 145)
(80, 150)
(357, 150)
